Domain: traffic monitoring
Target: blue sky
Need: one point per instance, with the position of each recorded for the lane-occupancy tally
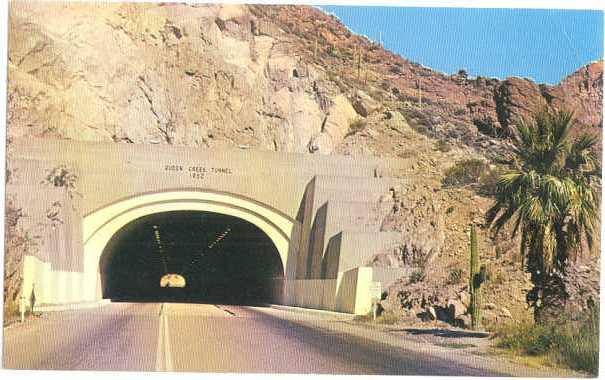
(545, 45)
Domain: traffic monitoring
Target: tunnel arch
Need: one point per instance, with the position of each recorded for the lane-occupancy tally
(216, 258)
(100, 225)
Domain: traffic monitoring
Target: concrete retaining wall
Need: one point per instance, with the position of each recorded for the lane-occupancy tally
(349, 293)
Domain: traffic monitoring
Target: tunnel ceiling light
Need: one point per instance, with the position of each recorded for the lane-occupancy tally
(219, 238)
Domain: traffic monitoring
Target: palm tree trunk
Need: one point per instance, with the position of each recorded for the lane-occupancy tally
(551, 298)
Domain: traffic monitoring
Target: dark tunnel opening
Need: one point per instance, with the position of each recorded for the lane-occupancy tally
(222, 259)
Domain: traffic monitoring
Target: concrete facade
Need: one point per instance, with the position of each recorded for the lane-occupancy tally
(321, 212)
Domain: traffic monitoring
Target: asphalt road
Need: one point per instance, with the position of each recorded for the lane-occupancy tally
(215, 338)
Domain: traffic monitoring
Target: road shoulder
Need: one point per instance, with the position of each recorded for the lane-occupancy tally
(463, 347)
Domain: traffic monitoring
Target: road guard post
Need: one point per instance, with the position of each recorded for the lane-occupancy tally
(375, 296)
(22, 306)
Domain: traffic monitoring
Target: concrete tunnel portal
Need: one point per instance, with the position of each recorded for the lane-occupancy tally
(221, 258)
(268, 204)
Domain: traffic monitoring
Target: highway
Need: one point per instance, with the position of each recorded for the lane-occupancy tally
(225, 338)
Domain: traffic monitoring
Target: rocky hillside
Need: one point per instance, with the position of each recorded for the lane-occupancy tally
(489, 104)
(274, 77)
(288, 78)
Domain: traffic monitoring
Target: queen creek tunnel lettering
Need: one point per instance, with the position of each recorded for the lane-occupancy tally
(221, 259)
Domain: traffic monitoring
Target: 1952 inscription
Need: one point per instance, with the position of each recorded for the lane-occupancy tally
(197, 172)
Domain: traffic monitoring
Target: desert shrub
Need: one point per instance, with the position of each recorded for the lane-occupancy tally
(443, 146)
(62, 176)
(460, 112)
(488, 181)
(454, 276)
(497, 278)
(464, 172)
(334, 52)
(526, 338)
(387, 318)
(18, 243)
(416, 276)
(572, 343)
(578, 348)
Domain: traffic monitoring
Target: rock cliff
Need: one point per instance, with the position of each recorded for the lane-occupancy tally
(285, 78)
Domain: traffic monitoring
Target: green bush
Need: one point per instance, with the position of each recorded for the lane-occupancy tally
(443, 146)
(334, 52)
(460, 111)
(387, 318)
(578, 348)
(526, 338)
(455, 276)
(574, 344)
(416, 276)
(464, 172)
(488, 181)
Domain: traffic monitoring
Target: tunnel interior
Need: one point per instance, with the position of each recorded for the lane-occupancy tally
(220, 259)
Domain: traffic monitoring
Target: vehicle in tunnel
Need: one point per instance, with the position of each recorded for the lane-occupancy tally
(220, 258)
(172, 280)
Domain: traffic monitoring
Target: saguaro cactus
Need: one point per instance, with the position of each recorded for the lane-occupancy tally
(477, 277)
(357, 58)
(419, 87)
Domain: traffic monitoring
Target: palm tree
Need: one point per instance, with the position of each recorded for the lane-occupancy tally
(550, 195)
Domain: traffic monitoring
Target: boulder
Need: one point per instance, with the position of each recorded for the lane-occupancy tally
(455, 309)
(364, 105)
(431, 312)
(463, 321)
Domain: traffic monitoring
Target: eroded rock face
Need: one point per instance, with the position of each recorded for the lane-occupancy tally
(581, 92)
(456, 101)
(335, 126)
(268, 77)
(166, 74)
(516, 97)
(418, 216)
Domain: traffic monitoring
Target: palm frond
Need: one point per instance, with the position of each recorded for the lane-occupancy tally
(549, 194)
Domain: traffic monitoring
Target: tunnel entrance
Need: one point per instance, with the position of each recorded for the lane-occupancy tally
(219, 258)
